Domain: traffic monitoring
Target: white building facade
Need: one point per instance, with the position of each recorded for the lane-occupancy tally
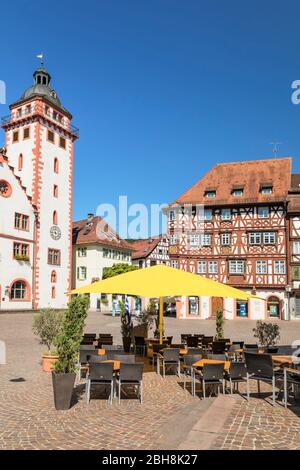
(36, 206)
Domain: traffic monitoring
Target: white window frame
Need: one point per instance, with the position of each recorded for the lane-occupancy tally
(210, 194)
(194, 239)
(201, 267)
(225, 239)
(174, 263)
(236, 266)
(206, 214)
(279, 267)
(82, 252)
(172, 215)
(205, 239)
(263, 212)
(269, 238)
(226, 214)
(173, 239)
(266, 190)
(213, 267)
(255, 238)
(237, 192)
(81, 273)
(296, 248)
(261, 267)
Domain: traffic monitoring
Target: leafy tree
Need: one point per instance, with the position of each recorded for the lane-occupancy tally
(69, 339)
(47, 325)
(116, 269)
(219, 324)
(267, 333)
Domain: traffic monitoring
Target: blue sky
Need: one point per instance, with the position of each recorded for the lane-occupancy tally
(161, 90)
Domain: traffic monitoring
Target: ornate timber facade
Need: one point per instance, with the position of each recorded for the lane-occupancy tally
(240, 225)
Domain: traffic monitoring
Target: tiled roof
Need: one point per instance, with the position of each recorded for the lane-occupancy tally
(97, 231)
(249, 175)
(143, 248)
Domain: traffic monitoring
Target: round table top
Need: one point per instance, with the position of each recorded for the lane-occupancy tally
(212, 361)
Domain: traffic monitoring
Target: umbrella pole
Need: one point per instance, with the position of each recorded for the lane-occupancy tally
(161, 319)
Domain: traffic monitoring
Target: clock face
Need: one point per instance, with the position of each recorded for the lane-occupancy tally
(55, 232)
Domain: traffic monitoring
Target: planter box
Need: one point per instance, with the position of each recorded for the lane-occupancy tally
(63, 385)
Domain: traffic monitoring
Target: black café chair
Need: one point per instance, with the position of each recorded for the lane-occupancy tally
(125, 358)
(100, 373)
(131, 375)
(219, 347)
(188, 362)
(236, 374)
(192, 341)
(260, 367)
(211, 374)
(140, 346)
(170, 359)
(217, 357)
(83, 359)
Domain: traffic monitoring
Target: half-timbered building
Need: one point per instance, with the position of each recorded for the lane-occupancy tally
(150, 251)
(240, 225)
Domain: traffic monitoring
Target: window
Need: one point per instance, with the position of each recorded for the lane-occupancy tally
(269, 238)
(226, 214)
(236, 266)
(174, 263)
(255, 238)
(213, 267)
(19, 112)
(28, 109)
(53, 293)
(50, 136)
(201, 267)
(266, 189)
(210, 194)
(225, 239)
(19, 291)
(241, 308)
(279, 267)
(237, 192)
(173, 239)
(26, 133)
(296, 248)
(206, 214)
(261, 267)
(20, 162)
(62, 142)
(54, 115)
(83, 251)
(81, 273)
(54, 257)
(21, 250)
(296, 273)
(21, 221)
(56, 165)
(172, 215)
(53, 277)
(263, 212)
(47, 110)
(194, 239)
(15, 136)
(55, 190)
(54, 218)
(205, 239)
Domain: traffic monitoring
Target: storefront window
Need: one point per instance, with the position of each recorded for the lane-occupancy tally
(193, 305)
(242, 308)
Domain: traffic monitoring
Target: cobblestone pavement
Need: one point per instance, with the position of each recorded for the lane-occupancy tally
(28, 419)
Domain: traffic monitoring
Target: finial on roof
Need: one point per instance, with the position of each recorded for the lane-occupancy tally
(41, 57)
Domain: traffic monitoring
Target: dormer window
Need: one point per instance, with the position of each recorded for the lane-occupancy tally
(172, 215)
(266, 189)
(237, 192)
(226, 214)
(210, 193)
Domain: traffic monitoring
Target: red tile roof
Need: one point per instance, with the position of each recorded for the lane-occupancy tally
(249, 175)
(97, 232)
(143, 248)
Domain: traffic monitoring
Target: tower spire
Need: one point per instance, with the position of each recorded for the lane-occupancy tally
(41, 57)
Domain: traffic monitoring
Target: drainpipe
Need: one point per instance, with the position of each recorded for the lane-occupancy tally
(36, 215)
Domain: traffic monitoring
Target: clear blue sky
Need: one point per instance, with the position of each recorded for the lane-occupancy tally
(161, 90)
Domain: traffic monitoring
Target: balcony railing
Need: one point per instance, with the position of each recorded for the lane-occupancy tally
(33, 110)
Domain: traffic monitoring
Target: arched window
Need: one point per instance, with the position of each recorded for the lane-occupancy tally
(20, 162)
(56, 166)
(55, 222)
(273, 307)
(53, 292)
(19, 290)
(53, 276)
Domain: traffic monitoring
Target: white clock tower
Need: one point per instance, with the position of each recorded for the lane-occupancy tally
(39, 147)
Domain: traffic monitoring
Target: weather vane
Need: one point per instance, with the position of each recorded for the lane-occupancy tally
(41, 57)
(275, 148)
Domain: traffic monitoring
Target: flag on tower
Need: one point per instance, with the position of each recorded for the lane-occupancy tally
(41, 56)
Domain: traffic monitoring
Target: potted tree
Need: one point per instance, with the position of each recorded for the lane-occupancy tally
(219, 324)
(126, 328)
(268, 334)
(46, 325)
(68, 343)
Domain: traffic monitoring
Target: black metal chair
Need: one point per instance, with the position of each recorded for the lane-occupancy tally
(211, 374)
(170, 358)
(232, 352)
(239, 343)
(188, 362)
(90, 335)
(105, 339)
(207, 342)
(140, 346)
(192, 341)
(83, 359)
(109, 347)
(260, 367)
(132, 375)
(236, 374)
(100, 373)
(169, 340)
(251, 346)
(97, 358)
(184, 336)
(219, 347)
(196, 351)
(217, 357)
(291, 381)
(125, 358)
